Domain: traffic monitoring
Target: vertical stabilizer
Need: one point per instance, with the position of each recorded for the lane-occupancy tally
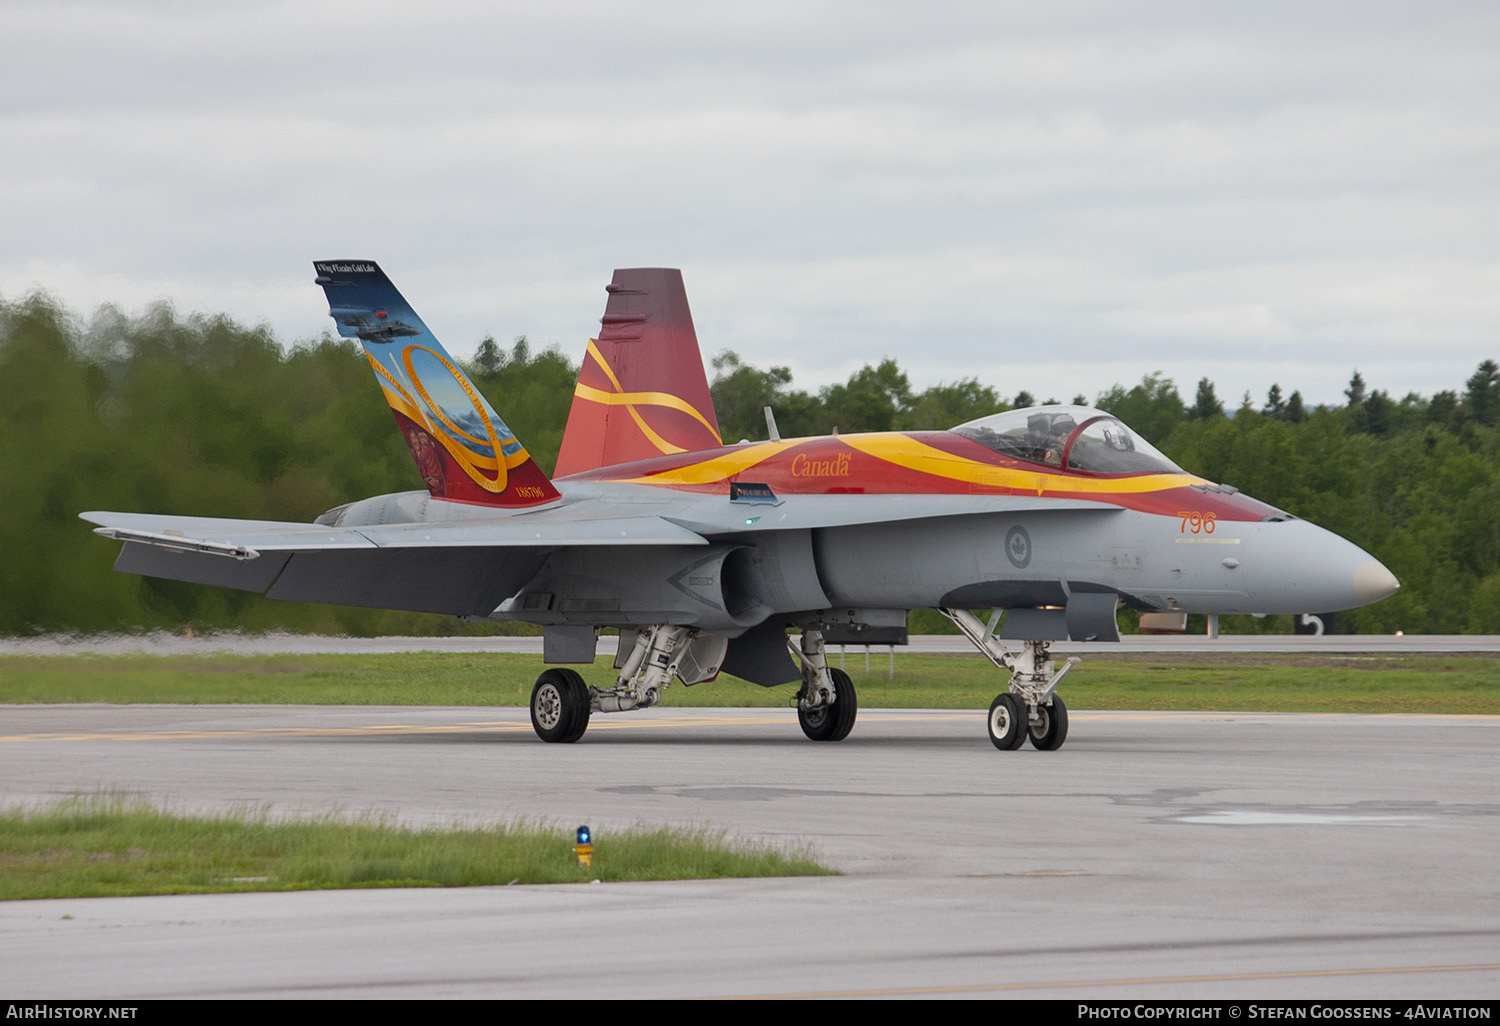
(641, 389)
(462, 448)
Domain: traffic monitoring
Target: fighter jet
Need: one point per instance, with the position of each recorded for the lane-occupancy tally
(705, 556)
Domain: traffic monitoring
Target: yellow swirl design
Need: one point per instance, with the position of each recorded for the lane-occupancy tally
(477, 467)
(904, 451)
(630, 400)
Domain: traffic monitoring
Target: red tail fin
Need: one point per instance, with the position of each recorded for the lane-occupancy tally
(641, 390)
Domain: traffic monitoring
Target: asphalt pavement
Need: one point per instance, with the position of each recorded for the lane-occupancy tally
(1157, 855)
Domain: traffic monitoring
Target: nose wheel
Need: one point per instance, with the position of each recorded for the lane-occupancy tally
(1031, 707)
(1007, 723)
(1050, 728)
(1011, 723)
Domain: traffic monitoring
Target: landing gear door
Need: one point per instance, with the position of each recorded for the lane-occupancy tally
(701, 661)
(1091, 616)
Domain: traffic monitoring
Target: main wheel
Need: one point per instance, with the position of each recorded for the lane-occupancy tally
(581, 704)
(832, 722)
(1007, 722)
(1051, 730)
(559, 706)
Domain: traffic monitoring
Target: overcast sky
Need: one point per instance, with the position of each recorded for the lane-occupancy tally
(1049, 196)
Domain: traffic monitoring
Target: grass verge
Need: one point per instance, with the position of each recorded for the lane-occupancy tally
(1462, 683)
(103, 845)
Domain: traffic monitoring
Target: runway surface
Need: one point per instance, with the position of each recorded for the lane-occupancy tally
(1157, 855)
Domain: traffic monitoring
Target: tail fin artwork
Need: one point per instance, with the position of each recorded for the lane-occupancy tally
(641, 390)
(462, 448)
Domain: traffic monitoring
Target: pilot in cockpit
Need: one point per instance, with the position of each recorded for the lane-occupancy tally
(1049, 434)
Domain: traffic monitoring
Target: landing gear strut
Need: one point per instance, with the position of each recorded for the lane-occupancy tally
(1030, 708)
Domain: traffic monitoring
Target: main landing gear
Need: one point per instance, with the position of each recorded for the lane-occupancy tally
(826, 704)
(1031, 707)
(560, 706)
(561, 703)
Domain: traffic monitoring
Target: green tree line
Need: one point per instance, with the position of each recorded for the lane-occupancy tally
(200, 415)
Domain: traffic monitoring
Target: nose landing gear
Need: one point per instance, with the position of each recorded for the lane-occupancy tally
(1030, 708)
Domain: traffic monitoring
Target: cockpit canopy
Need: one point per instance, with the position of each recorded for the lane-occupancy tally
(1068, 437)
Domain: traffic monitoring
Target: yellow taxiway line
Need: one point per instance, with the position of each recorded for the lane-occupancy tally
(626, 722)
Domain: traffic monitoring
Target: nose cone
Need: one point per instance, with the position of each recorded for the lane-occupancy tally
(1297, 567)
(1373, 582)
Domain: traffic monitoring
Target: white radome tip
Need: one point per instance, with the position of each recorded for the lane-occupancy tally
(1373, 582)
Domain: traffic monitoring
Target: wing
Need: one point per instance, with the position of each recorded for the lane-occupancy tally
(462, 567)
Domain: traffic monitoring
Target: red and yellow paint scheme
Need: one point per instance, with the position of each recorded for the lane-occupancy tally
(642, 414)
(641, 388)
(703, 555)
(929, 463)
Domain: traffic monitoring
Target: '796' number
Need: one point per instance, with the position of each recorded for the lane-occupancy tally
(1194, 522)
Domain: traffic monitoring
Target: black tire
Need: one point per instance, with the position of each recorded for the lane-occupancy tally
(1007, 723)
(1048, 734)
(559, 706)
(581, 711)
(832, 722)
